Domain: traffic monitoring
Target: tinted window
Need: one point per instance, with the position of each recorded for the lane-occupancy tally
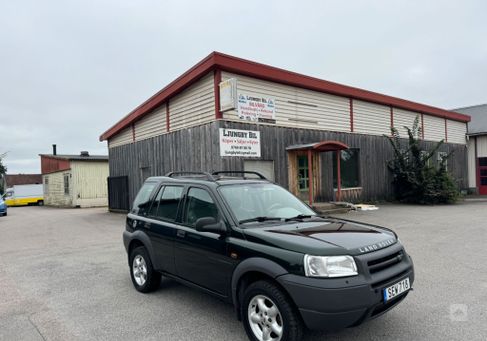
(349, 168)
(199, 205)
(141, 202)
(167, 202)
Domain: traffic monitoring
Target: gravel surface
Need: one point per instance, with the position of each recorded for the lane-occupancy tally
(64, 276)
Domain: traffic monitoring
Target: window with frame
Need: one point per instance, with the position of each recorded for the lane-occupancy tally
(424, 154)
(166, 204)
(349, 168)
(46, 184)
(142, 200)
(303, 178)
(199, 204)
(66, 184)
(442, 157)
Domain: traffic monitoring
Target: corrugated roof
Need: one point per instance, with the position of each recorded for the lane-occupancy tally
(223, 62)
(77, 157)
(478, 113)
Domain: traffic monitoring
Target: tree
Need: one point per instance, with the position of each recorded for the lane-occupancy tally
(3, 171)
(416, 179)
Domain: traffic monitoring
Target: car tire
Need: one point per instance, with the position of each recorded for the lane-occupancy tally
(144, 277)
(268, 314)
(40, 203)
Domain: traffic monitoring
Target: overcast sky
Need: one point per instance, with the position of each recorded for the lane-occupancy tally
(69, 70)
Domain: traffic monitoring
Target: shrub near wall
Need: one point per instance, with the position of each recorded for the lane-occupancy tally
(416, 179)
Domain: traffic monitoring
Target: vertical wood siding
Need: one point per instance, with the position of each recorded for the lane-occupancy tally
(54, 191)
(124, 137)
(434, 128)
(369, 118)
(197, 149)
(90, 188)
(296, 107)
(151, 125)
(456, 131)
(194, 106)
(404, 118)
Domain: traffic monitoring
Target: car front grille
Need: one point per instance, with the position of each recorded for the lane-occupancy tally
(385, 262)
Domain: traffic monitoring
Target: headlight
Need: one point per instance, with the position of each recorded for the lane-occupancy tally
(334, 266)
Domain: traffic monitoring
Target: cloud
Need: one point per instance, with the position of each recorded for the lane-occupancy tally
(70, 70)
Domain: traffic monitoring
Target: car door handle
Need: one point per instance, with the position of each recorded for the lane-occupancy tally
(181, 233)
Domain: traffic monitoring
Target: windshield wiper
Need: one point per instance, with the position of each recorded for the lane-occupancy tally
(300, 217)
(258, 219)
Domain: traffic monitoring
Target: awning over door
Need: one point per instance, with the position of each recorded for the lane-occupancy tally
(323, 146)
(319, 147)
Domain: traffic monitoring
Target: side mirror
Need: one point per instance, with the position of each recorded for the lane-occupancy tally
(209, 224)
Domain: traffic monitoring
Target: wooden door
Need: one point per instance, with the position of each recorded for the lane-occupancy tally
(298, 172)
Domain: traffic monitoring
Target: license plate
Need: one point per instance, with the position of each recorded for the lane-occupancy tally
(396, 289)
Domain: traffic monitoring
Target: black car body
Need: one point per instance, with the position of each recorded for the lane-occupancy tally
(223, 255)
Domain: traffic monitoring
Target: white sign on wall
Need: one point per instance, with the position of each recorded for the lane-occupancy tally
(234, 142)
(256, 108)
(228, 94)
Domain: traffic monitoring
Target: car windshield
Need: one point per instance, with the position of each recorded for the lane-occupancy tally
(262, 201)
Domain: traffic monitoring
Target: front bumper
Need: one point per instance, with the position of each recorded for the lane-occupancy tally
(331, 304)
(3, 210)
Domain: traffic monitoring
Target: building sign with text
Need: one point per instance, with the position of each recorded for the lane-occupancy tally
(256, 108)
(234, 142)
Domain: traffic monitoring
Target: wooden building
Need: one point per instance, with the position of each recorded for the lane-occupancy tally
(477, 148)
(75, 180)
(323, 141)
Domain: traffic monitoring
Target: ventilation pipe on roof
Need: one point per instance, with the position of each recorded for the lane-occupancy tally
(54, 151)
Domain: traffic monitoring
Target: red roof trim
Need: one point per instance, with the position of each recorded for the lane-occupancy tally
(249, 68)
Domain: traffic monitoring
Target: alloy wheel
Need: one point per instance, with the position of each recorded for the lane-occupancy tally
(265, 319)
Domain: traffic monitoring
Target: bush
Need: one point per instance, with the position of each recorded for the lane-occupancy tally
(415, 179)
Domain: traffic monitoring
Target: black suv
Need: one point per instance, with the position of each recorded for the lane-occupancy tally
(252, 243)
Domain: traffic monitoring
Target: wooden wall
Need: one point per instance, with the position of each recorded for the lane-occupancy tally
(197, 148)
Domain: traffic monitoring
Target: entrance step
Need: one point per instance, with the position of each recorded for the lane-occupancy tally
(329, 208)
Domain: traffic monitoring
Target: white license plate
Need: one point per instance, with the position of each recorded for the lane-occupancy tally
(396, 289)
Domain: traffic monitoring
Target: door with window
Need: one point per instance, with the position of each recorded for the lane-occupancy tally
(201, 257)
(303, 177)
(482, 175)
(160, 225)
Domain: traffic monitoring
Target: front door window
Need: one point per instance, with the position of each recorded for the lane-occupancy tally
(303, 179)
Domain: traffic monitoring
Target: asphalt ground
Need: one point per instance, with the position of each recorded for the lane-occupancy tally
(64, 276)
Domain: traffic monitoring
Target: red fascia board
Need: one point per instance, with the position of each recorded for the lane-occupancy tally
(270, 73)
(249, 68)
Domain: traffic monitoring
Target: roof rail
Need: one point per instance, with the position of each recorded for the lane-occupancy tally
(240, 172)
(208, 176)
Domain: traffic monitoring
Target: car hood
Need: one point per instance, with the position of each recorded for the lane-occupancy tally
(325, 237)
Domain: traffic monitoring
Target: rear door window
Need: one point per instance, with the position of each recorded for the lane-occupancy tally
(167, 202)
